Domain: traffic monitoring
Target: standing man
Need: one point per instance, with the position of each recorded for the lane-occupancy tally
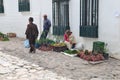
(46, 27)
(31, 34)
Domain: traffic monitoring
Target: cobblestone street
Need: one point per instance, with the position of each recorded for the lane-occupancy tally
(13, 68)
(17, 64)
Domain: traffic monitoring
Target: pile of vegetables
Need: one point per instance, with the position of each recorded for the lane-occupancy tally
(90, 56)
(59, 47)
(71, 51)
(3, 37)
(98, 53)
(59, 44)
(45, 44)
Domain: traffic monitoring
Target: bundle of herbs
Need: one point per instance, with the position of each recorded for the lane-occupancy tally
(71, 51)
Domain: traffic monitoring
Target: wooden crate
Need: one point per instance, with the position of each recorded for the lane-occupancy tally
(11, 35)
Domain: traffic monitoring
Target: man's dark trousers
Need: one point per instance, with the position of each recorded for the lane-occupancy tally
(44, 34)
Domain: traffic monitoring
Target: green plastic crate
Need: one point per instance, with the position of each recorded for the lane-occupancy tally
(98, 46)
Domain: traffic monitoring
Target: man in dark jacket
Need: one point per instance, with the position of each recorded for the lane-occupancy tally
(31, 34)
(46, 27)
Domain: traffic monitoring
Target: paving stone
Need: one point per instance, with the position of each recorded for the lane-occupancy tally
(13, 67)
(4, 70)
(39, 68)
(32, 70)
(11, 78)
(96, 79)
(4, 63)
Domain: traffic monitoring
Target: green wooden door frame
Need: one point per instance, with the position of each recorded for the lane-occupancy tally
(89, 18)
(1, 6)
(60, 16)
(89, 31)
(60, 30)
(59, 0)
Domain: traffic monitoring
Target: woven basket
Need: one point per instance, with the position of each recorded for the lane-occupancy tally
(1, 38)
(60, 48)
(45, 48)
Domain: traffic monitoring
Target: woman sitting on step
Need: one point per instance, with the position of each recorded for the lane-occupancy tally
(69, 39)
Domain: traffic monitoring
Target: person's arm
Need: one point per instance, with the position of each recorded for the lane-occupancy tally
(72, 39)
(49, 23)
(26, 32)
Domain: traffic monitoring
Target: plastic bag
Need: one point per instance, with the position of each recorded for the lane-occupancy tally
(79, 46)
(26, 43)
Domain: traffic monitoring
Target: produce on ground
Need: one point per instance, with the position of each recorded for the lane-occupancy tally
(59, 47)
(59, 44)
(45, 41)
(11, 35)
(45, 44)
(71, 51)
(45, 48)
(89, 56)
(3, 37)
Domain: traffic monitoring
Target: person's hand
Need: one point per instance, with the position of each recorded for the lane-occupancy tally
(26, 37)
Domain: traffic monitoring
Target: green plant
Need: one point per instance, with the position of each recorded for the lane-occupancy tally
(4, 36)
(71, 51)
(45, 41)
(105, 48)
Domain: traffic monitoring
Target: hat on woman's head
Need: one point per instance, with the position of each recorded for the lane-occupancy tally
(68, 31)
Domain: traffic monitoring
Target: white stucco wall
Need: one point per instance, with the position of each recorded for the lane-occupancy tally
(75, 24)
(109, 24)
(74, 13)
(14, 21)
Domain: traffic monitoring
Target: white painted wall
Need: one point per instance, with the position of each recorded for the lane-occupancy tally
(109, 20)
(14, 21)
(46, 8)
(74, 9)
(75, 24)
(109, 24)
